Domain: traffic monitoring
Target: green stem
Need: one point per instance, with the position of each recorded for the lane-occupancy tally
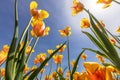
(16, 58)
(30, 40)
(116, 2)
(32, 49)
(68, 50)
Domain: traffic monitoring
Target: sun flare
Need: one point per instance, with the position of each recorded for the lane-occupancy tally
(93, 6)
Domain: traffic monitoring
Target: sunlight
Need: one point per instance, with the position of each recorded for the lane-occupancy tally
(93, 7)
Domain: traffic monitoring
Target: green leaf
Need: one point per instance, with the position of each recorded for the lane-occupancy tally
(97, 52)
(109, 46)
(96, 42)
(35, 73)
(21, 64)
(10, 58)
(112, 52)
(99, 24)
(76, 63)
(17, 53)
(31, 50)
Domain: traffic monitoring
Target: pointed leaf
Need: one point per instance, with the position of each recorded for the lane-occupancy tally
(35, 73)
(76, 63)
(21, 65)
(96, 42)
(10, 58)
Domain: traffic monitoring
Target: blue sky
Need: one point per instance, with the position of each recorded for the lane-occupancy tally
(60, 16)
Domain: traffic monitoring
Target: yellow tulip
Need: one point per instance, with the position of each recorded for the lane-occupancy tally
(85, 23)
(97, 72)
(106, 2)
(61, 49)
(77, 7)
(65, 32)
(4, 53)
(58, 58)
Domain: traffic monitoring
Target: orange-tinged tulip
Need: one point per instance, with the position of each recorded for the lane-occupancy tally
(38, 26)
(97, 72)
(4, 53)
(50, 51)
(3, 57)
(48, 77)
(84, 56)
(85, 23)
(37, 14)
(112, 40)
(77, 7)
(76, 76)
(58, 58)
(26, 69)
(2, 70)
(66, 31)
(61, 49)
(84, 76)
(106, 2)
(54, 74)
(5, 48)
(41, 57)
(39, 30)
(36, 61)
(60, 70)
(101, 59)
(33, 8)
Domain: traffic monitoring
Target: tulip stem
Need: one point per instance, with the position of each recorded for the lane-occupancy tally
(68, 50)
(32, 49)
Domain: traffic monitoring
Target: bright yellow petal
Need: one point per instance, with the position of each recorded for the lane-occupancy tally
(44, 14)
(108, 75)
(33, 5)
(91, 66)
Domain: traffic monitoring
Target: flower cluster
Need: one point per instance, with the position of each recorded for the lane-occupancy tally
(50, 64)
(38, 25)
